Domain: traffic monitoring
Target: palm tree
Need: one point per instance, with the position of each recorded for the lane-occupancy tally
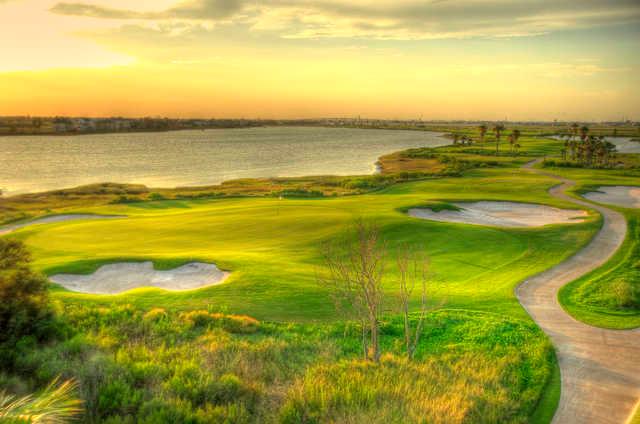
(55, 404)
(610, 149)
(456, 137)
(584, 130)
(483, 131)
(574, 129)
(513, 138)
(498, 128)
(565, 148)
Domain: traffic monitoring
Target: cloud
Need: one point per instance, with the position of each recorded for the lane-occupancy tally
(192, 10)
(399, 19)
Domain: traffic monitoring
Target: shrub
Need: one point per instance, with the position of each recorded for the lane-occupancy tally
(300, 193)
(24, 301)
(156, 196)
(230, 323)
(155, 315)
(626, 294)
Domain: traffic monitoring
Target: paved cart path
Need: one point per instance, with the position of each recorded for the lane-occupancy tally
(600, 368)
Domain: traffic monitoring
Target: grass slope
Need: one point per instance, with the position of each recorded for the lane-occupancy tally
(157, 366)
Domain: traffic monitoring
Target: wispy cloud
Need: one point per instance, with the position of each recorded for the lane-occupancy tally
(400, 19)
(194, 10)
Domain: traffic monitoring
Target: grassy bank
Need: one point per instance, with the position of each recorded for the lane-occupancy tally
(158, 366)
(609, 296)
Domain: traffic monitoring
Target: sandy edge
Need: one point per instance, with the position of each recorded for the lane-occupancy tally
(502, 214)
(623, 196)
(9, 228)
(120, 277)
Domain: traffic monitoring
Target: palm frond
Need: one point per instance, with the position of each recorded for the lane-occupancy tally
(56, 404)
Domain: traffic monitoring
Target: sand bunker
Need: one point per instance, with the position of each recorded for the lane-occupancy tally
(5, 229)
(120, 277)
(627, 197)
(502, 214)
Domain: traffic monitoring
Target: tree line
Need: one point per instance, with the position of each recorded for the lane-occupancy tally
(587, 149)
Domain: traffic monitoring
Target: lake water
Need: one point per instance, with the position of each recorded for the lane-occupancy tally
(195, 157)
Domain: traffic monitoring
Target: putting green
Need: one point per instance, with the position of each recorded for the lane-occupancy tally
(272, 246)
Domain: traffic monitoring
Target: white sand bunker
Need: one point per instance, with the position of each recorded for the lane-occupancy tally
(502, 214)
(54, 218)
(625, 196)
(123, 276)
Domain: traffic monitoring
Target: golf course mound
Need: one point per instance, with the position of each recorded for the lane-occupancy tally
(500, 214)
(625, 196)
(5, 229)
(123, 276)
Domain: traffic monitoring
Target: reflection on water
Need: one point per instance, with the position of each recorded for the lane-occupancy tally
(187, 158)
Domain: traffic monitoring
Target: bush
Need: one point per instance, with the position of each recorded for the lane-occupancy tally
(625, 293)
(156, 196)
(300, 193)
(155, 315)
(230, 323)
(24, 301)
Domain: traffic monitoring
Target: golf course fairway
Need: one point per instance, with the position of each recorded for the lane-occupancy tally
(266, 342)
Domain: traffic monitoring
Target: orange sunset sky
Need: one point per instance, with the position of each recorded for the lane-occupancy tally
(466, 59)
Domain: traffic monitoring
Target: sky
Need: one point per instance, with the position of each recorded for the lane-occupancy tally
(402, 59)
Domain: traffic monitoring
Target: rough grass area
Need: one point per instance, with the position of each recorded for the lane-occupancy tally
(610, 296)
(157, 366)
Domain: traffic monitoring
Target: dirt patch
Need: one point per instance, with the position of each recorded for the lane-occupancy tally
(5, 229)
(124, 276)
(502, 214)
(625, 196)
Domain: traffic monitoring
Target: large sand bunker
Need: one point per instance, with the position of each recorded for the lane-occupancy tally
(502, 214)
(625, 196)
(5, 229)
(123, 276)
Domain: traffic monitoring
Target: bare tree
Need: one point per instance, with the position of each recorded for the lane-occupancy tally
(413, 268)
(354, 278)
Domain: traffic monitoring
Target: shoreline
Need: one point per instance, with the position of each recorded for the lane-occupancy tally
(375, 167)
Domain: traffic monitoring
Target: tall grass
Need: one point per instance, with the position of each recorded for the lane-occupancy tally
(159, 366)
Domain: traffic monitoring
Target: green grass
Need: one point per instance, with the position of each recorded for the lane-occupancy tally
(482, 352)
(160, 366)
(271, 246)
(548, 403)
(636, 417)
(610, 295)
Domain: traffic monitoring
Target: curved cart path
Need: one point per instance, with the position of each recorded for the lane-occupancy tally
(600, 369)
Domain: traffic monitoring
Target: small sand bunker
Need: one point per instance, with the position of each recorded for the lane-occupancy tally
(502, 214)
(625, 196)
(124, 276)
(54, 218)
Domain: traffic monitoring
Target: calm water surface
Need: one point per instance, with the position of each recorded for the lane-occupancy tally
(188, 158)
